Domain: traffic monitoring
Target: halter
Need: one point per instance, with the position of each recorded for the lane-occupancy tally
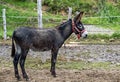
(74, 28)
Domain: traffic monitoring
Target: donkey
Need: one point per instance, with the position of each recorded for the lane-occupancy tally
(25, 38)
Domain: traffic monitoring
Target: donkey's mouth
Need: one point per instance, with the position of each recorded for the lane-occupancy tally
(84, 34)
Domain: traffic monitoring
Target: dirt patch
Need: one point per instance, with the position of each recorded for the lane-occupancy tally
(89, 53)
(92, 29)
(64, 75)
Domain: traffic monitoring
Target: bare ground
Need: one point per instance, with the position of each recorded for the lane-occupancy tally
(110, 53)
(63, 75)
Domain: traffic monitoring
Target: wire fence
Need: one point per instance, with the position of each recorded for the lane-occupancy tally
(52, 22)
(28, 20)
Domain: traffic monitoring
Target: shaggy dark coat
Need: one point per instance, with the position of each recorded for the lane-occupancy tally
(25, 38)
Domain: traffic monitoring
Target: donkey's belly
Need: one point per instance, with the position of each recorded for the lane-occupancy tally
(41, 45)
(40, 48)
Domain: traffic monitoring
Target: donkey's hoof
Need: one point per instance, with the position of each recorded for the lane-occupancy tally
(18, 78)
(53, 74)
(26, 78)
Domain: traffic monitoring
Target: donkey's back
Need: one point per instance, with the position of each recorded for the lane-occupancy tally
(36, 39)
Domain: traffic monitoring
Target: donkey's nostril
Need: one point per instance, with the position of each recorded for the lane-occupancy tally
(86, 36)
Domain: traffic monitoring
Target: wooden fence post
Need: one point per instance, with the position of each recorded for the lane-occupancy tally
(40, 25)
(4, 23)
(39, 9)
(69, 13)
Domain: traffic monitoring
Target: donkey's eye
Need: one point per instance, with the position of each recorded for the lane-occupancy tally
(79, 26)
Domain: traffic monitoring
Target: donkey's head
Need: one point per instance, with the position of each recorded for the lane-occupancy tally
(78, 27)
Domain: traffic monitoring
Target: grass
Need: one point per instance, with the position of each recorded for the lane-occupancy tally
(96, 39)
(22, 16)
(23, 9)
(108, 23)
(35, 63)
(84, 65)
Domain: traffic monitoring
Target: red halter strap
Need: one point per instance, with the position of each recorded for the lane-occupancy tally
(75, 28)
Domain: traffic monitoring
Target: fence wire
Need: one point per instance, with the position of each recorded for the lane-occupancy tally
(52, 22)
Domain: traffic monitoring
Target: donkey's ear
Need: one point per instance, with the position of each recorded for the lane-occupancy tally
(79, 16)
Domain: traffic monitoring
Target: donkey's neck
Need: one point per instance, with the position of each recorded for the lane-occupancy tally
(66, 29)
(67, 32)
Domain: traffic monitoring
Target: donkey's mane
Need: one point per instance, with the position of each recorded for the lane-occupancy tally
(62, 24)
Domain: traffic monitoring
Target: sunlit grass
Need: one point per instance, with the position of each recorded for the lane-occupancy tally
(112, 24)
(36, 63)
(23, 9)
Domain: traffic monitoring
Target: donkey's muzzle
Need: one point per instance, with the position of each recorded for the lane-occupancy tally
(85, 34)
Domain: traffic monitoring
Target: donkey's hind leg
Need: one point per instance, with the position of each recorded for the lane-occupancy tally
(22, 63)
(15, 61)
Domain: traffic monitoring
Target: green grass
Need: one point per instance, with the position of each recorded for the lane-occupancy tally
(97, 39)
(108, 23)
(23, 9)
(84, 65)
(112, 26)
(35, 63)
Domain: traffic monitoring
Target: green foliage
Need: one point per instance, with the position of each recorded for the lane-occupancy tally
(91, 8)
(116, 35)
(56, 6)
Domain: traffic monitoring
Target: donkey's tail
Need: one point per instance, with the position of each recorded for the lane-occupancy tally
(13, 47)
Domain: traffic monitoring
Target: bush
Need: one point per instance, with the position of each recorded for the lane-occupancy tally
(56, 6)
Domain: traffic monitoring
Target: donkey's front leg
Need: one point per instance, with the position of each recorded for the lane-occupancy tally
(53, 61)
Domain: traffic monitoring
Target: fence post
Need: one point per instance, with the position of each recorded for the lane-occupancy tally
(4, 23)
(39, 9)
(69, 13)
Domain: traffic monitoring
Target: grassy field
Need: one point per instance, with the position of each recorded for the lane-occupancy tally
(36, 63)
(72, 71)
(19, 13)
